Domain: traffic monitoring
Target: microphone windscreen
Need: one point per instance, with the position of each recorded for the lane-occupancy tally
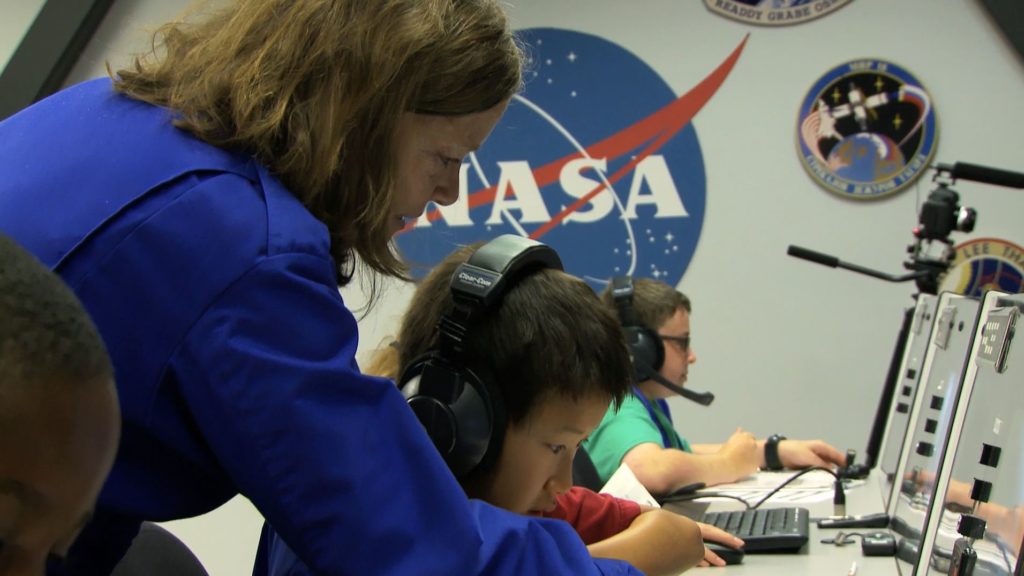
(985, 175)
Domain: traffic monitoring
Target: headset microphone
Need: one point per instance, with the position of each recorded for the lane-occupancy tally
(702, 398)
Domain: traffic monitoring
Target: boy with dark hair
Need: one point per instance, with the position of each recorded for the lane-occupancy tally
(557, 359)
(59, 416)
(640, 432)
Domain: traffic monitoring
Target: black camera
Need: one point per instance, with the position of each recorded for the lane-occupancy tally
(941, 214)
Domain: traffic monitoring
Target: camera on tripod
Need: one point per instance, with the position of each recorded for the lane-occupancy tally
(940, 215)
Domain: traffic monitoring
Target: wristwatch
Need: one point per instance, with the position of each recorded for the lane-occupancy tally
(771, 452)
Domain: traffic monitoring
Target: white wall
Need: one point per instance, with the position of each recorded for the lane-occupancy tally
(787, 346)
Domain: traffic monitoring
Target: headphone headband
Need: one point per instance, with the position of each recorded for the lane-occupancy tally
(484, 277)
(646, 350)
(622, 294)
(483, 280)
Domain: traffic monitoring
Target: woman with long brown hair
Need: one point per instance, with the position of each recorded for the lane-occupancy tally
(205, 204)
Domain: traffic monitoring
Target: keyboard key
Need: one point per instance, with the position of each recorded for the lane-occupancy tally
(746, 523)
(734, 523)
(760, 520)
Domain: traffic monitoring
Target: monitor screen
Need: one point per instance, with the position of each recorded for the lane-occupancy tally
(983, 473)
(929, 424)
(905, 394)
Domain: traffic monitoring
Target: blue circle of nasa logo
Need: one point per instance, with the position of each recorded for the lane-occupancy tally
(596, 158)
(866, 129)
(985, 264)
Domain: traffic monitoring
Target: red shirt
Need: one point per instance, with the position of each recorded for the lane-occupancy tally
(594, 516)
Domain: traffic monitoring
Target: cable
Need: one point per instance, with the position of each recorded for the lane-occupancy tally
(838, 500)
(697, 496)
(842, 538)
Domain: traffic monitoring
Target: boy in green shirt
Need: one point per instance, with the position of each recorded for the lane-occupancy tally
(641, 434)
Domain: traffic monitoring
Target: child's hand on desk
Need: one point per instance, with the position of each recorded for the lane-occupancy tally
(714, 534)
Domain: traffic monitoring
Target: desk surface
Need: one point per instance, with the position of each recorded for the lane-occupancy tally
(823, 559)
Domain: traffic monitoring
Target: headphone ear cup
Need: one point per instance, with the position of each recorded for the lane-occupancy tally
(483, 417)
(474, 424)
(454, 407)
(423, 392)
(646, 349)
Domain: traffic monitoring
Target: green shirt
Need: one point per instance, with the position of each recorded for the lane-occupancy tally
(623, 429)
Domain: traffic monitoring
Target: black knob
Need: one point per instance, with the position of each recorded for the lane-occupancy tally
(971, 526)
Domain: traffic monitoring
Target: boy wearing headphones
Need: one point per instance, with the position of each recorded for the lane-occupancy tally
(640, 431)
(539, 361)
(59, 416)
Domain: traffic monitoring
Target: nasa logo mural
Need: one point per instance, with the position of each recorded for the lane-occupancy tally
(774, 12)
(596, 158)
(866, 129)
(986, 264)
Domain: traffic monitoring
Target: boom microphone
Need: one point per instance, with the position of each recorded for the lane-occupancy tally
(702, 398)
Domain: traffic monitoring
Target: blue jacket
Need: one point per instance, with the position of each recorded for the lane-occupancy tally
(234, 354)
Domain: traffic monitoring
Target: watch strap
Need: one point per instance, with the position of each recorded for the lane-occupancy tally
(771, 452)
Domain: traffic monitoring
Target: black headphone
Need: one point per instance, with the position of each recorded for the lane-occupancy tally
(461, 412)
(646, 347)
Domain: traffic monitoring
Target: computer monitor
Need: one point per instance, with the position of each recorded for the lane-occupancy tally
(984, 456)
(929, 424)
(908, 376)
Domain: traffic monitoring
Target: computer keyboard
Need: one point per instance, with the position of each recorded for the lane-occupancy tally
(765, 530)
